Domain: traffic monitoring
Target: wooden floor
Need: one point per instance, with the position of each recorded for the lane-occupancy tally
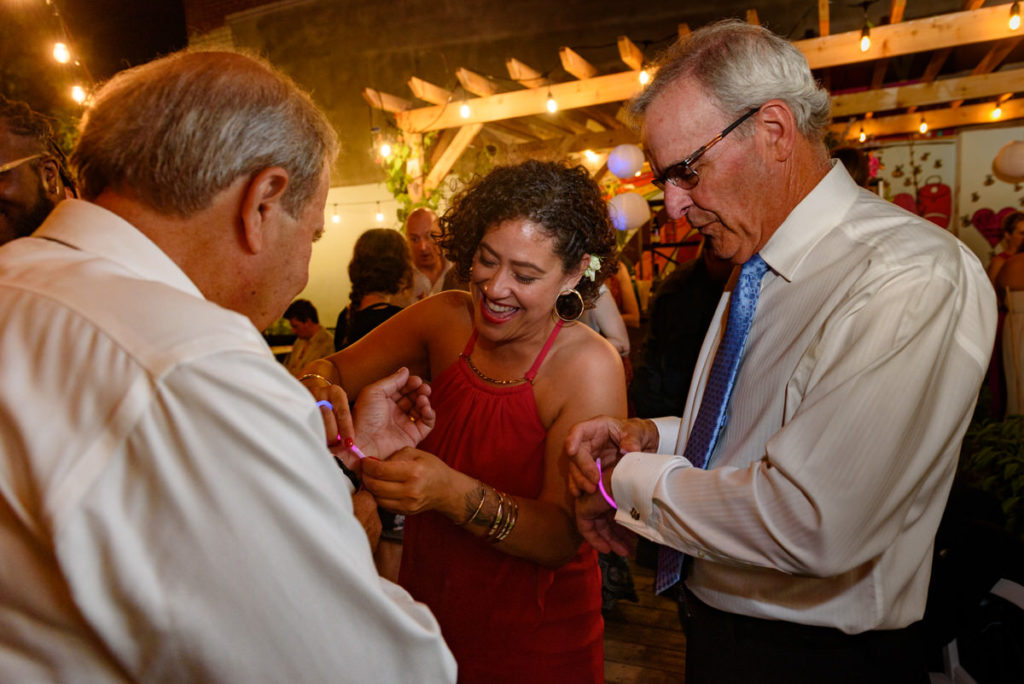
(643, 642)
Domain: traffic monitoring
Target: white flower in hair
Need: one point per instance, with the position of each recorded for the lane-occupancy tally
(593, 267)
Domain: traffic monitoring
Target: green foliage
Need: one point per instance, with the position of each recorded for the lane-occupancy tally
(992, 460)
(397, 178)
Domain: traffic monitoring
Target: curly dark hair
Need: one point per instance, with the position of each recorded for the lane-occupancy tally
(24, 122)
(381, 262)
(563, 199)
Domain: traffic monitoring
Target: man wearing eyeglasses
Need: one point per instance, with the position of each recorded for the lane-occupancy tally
(808, 474)
(33, 174)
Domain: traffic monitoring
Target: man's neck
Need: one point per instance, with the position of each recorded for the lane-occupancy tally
(435, 273)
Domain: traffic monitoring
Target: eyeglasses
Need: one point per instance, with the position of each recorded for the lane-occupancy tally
(682, 174)
(10, 166)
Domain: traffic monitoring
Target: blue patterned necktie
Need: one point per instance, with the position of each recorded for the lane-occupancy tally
(712, 413)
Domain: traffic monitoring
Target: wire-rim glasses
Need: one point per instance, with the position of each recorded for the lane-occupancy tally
(10, 166)
(682, 174)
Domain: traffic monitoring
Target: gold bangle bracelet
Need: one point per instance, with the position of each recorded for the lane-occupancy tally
(510, 521)
(479, 507)
(317, 376)
(498, 517)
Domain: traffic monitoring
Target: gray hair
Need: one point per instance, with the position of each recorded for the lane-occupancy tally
(743, 66)
(178, 130)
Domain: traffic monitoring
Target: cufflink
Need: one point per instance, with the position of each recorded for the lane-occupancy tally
(634, 514)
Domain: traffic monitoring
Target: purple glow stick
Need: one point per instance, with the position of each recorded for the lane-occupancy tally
(600, 485)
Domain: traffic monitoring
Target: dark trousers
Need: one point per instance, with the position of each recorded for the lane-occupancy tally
(724, 647)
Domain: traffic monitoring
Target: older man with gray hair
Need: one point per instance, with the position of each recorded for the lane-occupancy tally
(168, 508)
(808, 474)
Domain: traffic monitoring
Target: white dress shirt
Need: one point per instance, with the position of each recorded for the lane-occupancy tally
(860, 375)
(168, 510)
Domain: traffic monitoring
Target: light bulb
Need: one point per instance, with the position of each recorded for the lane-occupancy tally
(78, 94)
(61, 53)
(590, 155)
(380, 214)
(997, 112)
(464, 111)
(552, 105)
(923, 127)
(645, 77)
(385, 150)
(1015, 16)
(863, 136)
(865, 39)
(335, 218)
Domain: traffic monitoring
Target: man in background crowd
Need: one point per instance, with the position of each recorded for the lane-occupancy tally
(312, 341)
(169, 509)
(433, 272)
(33, 172)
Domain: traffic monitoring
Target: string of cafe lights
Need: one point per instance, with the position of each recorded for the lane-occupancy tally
(384, 147)
(64, 54)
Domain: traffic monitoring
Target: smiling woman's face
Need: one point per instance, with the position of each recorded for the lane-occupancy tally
(515, 280)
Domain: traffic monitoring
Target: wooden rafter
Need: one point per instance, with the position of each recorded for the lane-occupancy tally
(476, 83)
(575, 64)
(823, 18)
(386, 101)
(752, 17)
(992, 59)
(919, 94)
(630, 54)
(948, 30)
(896, 9)
(428, 92)
(941, 118)
(447, 160)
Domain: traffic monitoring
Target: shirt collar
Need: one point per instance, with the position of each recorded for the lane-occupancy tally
(94, 230)
(811, 220)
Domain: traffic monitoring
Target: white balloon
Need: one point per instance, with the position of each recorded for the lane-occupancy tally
(625, 160)
(628, 210)
(1009, 162)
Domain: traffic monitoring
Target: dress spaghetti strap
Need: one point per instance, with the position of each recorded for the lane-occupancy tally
(532, 373)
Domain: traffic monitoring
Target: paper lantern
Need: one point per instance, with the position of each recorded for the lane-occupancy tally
(1009, 162)
(628, 210)
(625, 160)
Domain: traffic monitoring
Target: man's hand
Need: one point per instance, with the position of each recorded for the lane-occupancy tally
(604, 438)
(393, 413)
(410, 482)
(595, 520)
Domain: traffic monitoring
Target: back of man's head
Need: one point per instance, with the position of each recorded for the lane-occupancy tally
(175, 132)
(742, 66)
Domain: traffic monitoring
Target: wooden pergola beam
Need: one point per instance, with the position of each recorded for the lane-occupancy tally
(428, 92)
(992, 59)
(578, 143)
(919, 94)
(902, 124)
(752, 17)
(932, 33)
(451, 154)
(576, 64)
(683, 31)
(476, 83)
(386, 101)
(823, 18)
(896, 9)
(630, 54)
(525, 75)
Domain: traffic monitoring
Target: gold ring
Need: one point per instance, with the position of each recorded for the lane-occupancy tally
(412, 419)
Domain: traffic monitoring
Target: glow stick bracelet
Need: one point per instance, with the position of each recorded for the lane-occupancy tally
(600, 485)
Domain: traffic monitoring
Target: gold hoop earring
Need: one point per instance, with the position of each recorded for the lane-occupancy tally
(569, 305)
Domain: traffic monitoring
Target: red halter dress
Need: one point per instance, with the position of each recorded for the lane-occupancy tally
(505, 619)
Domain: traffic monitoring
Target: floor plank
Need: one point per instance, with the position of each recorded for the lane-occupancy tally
(643, 642)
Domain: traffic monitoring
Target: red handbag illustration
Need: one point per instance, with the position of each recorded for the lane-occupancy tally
(935, 201)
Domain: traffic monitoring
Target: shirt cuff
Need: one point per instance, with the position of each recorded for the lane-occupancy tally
(668, 433)
(634, 480)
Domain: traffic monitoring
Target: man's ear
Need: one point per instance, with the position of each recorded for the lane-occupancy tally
(49, 175)
(779, 127)
(261, 202)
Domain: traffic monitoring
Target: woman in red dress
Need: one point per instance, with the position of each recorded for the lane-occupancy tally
(490, 542)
